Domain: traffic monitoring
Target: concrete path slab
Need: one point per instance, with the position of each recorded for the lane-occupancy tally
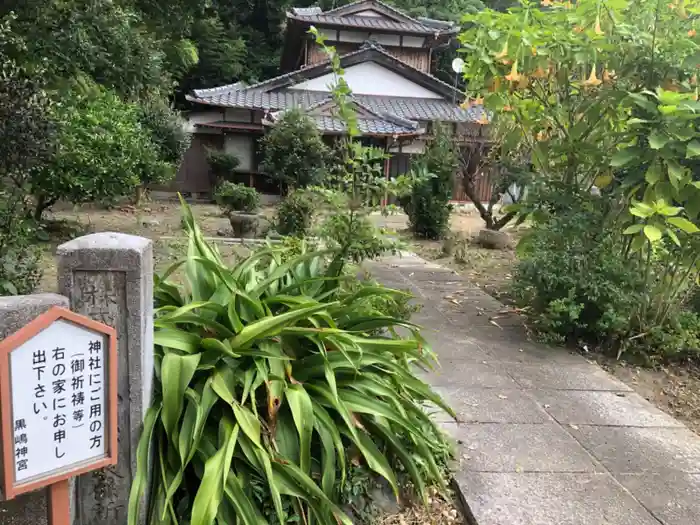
(545, 437)
(505, 498)
(673, 498)
(642, 449)
(585, 407)
(500, 447)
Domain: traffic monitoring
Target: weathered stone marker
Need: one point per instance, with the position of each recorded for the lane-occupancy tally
(109, 277)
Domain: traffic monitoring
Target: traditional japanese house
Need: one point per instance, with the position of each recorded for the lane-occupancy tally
(387, 57)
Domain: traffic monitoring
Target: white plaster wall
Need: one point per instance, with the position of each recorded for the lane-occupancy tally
(413, 41)
(369, 78)
(417, 146)
(201, 117)
(369, 12)
(387, 40)
(237, 115)
(242, 147)
(358, 37)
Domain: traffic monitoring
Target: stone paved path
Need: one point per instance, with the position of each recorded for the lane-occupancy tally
(545, 437)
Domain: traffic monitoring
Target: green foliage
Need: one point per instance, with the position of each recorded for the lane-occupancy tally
(295, 214)
(428, 207)
(293, 152)
(223, 165)
(601, 97)
(237, 197)
(168, 134)
(104, 40)
(26, 142)
(576, 280)
(105, 151)
(222, 56)
(267, 386)
(355, 237)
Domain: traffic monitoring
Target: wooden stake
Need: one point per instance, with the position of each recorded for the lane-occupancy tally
(59, 503)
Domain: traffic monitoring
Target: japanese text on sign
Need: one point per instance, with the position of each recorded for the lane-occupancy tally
(58, 390)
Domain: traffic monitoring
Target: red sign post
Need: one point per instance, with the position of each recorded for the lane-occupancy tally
(58, 405)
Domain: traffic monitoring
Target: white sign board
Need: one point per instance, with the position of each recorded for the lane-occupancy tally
(58, 400)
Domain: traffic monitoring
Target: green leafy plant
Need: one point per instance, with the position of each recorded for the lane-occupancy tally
(428, 206)
(267, 384)
(237, 197)
(105, 152)
(295, 214)
(293, 152)
(576, 281)
(223, 165)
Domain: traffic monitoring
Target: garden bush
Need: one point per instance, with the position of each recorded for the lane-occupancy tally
(575, 278)
(237, 197)
(27, 142)
(223, 165)
(269, 387)
(428, 206)
(293, 152)
(295, 214)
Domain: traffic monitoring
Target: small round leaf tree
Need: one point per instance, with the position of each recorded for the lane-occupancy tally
(293, 152)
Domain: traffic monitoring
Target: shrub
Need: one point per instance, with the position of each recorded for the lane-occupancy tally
(167, 131)
(295, 214)
(105, 152)
(237, 197)
(428, 207)
(293, 152)
(223, 165)
(574, 277)
(269, 387)
(27, 142)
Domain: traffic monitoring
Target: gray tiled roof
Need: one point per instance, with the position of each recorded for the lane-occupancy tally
(365, 22)
(346, 16)
(329, 124)
(426, 109)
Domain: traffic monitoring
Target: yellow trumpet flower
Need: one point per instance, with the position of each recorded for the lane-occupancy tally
(504, 52)
(593, 80)
(514, 76)
(598, 29)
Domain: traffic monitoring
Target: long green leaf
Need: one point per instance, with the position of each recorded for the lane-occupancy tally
(303, 414)
(216, 470)
(143, 453)
(176, 372)
(272, 325)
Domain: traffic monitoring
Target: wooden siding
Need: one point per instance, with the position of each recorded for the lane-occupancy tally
(194, 175)
(418, 58)
(483, 188)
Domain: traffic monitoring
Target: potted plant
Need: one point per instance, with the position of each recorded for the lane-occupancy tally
(240, 204)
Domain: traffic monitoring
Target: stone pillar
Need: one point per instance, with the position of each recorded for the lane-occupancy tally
(15, 312)
(109, 277)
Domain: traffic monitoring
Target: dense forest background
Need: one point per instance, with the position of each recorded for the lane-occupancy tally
(151, 48)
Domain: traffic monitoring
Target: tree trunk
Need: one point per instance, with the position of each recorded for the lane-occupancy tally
(138, 195)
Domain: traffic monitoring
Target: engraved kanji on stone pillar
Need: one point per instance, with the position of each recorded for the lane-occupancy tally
(109, 277)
